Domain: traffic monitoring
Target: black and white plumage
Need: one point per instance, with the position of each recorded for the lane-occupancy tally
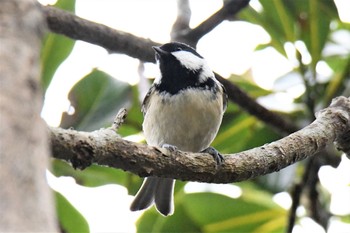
(183, 109)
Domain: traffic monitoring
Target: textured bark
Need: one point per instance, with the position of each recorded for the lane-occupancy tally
(105, 147)
(77, 28)
(26, 202)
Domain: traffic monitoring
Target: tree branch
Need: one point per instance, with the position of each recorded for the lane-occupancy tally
(105, 147)
(77, 28)
(182, 22)
(228, 9)
(116, 41)
(238, 96)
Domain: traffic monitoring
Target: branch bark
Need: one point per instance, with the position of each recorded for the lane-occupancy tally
(77, 28)
(182, 22)
(229, 9)
(105, 147)
(26, 203)
(116, 41)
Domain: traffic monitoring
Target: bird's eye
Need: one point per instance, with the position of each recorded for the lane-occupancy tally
(178, 49)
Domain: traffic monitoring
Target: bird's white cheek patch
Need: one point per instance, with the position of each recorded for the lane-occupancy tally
(192, 62)
(189, 60)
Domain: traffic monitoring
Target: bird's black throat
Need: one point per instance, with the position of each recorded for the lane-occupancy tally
(175, 78)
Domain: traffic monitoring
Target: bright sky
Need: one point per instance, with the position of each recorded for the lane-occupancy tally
(107, 208)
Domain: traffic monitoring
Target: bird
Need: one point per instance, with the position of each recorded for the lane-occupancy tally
(182, 110)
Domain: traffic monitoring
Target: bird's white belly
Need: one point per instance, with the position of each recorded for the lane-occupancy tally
(188, 123)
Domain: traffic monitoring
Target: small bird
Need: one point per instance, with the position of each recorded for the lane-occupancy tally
(182, 110)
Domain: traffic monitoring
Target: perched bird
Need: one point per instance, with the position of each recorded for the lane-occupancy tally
(182, 110)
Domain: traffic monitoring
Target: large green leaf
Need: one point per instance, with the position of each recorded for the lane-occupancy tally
(341, 68)
(279, 19)
(234, 133)
(252, 16)
(133, 122)
(240, 131)
(71, 221)
(315, 30)
(92, 176)
(56, 48)
(211, 212)
(96, 98)
(219, 213)
(291, 20)
(152, 221)
(247, 84)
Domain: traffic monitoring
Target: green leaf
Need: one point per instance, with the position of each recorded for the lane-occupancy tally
(133, 122)
(232, 215)
(70, 219)
(212, 212)
(278, 17)
(289, 21)
(92, 176)
(341, 67)
(180, 221)
(234, 133)
(313, 20)
(67, 5)
(219, 213)
(148, 221)
(96, 98)
(152, 221)
(246, 83)
(252, 16)
(56, 48)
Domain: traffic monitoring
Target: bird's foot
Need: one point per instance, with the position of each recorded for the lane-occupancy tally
(219, 159)
(169, 147)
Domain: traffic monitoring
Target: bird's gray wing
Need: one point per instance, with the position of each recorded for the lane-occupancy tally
(146, 100)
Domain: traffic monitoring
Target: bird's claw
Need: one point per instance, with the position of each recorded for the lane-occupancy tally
(169, 147)
(219, 159)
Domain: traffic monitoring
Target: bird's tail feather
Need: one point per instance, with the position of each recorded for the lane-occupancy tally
(158, 190)
(163, 197)
(145, 196)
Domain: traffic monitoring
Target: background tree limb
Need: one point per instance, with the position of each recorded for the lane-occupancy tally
(70, 25)
(229, 9)
(105, 147)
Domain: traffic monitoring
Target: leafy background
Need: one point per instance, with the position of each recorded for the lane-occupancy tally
(312, 23)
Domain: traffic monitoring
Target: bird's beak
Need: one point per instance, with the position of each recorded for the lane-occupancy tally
(159, 51)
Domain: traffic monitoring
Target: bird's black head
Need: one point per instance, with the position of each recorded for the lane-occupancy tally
(174, 47)
(181, 67)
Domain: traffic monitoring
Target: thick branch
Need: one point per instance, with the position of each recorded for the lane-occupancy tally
(104, 147)
(74, 27)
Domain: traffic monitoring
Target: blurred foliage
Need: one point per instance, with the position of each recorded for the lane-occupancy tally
(314, 24)
(97, 97)
(96, 100)
(56, 48)
(213, 212)
(70, 219)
